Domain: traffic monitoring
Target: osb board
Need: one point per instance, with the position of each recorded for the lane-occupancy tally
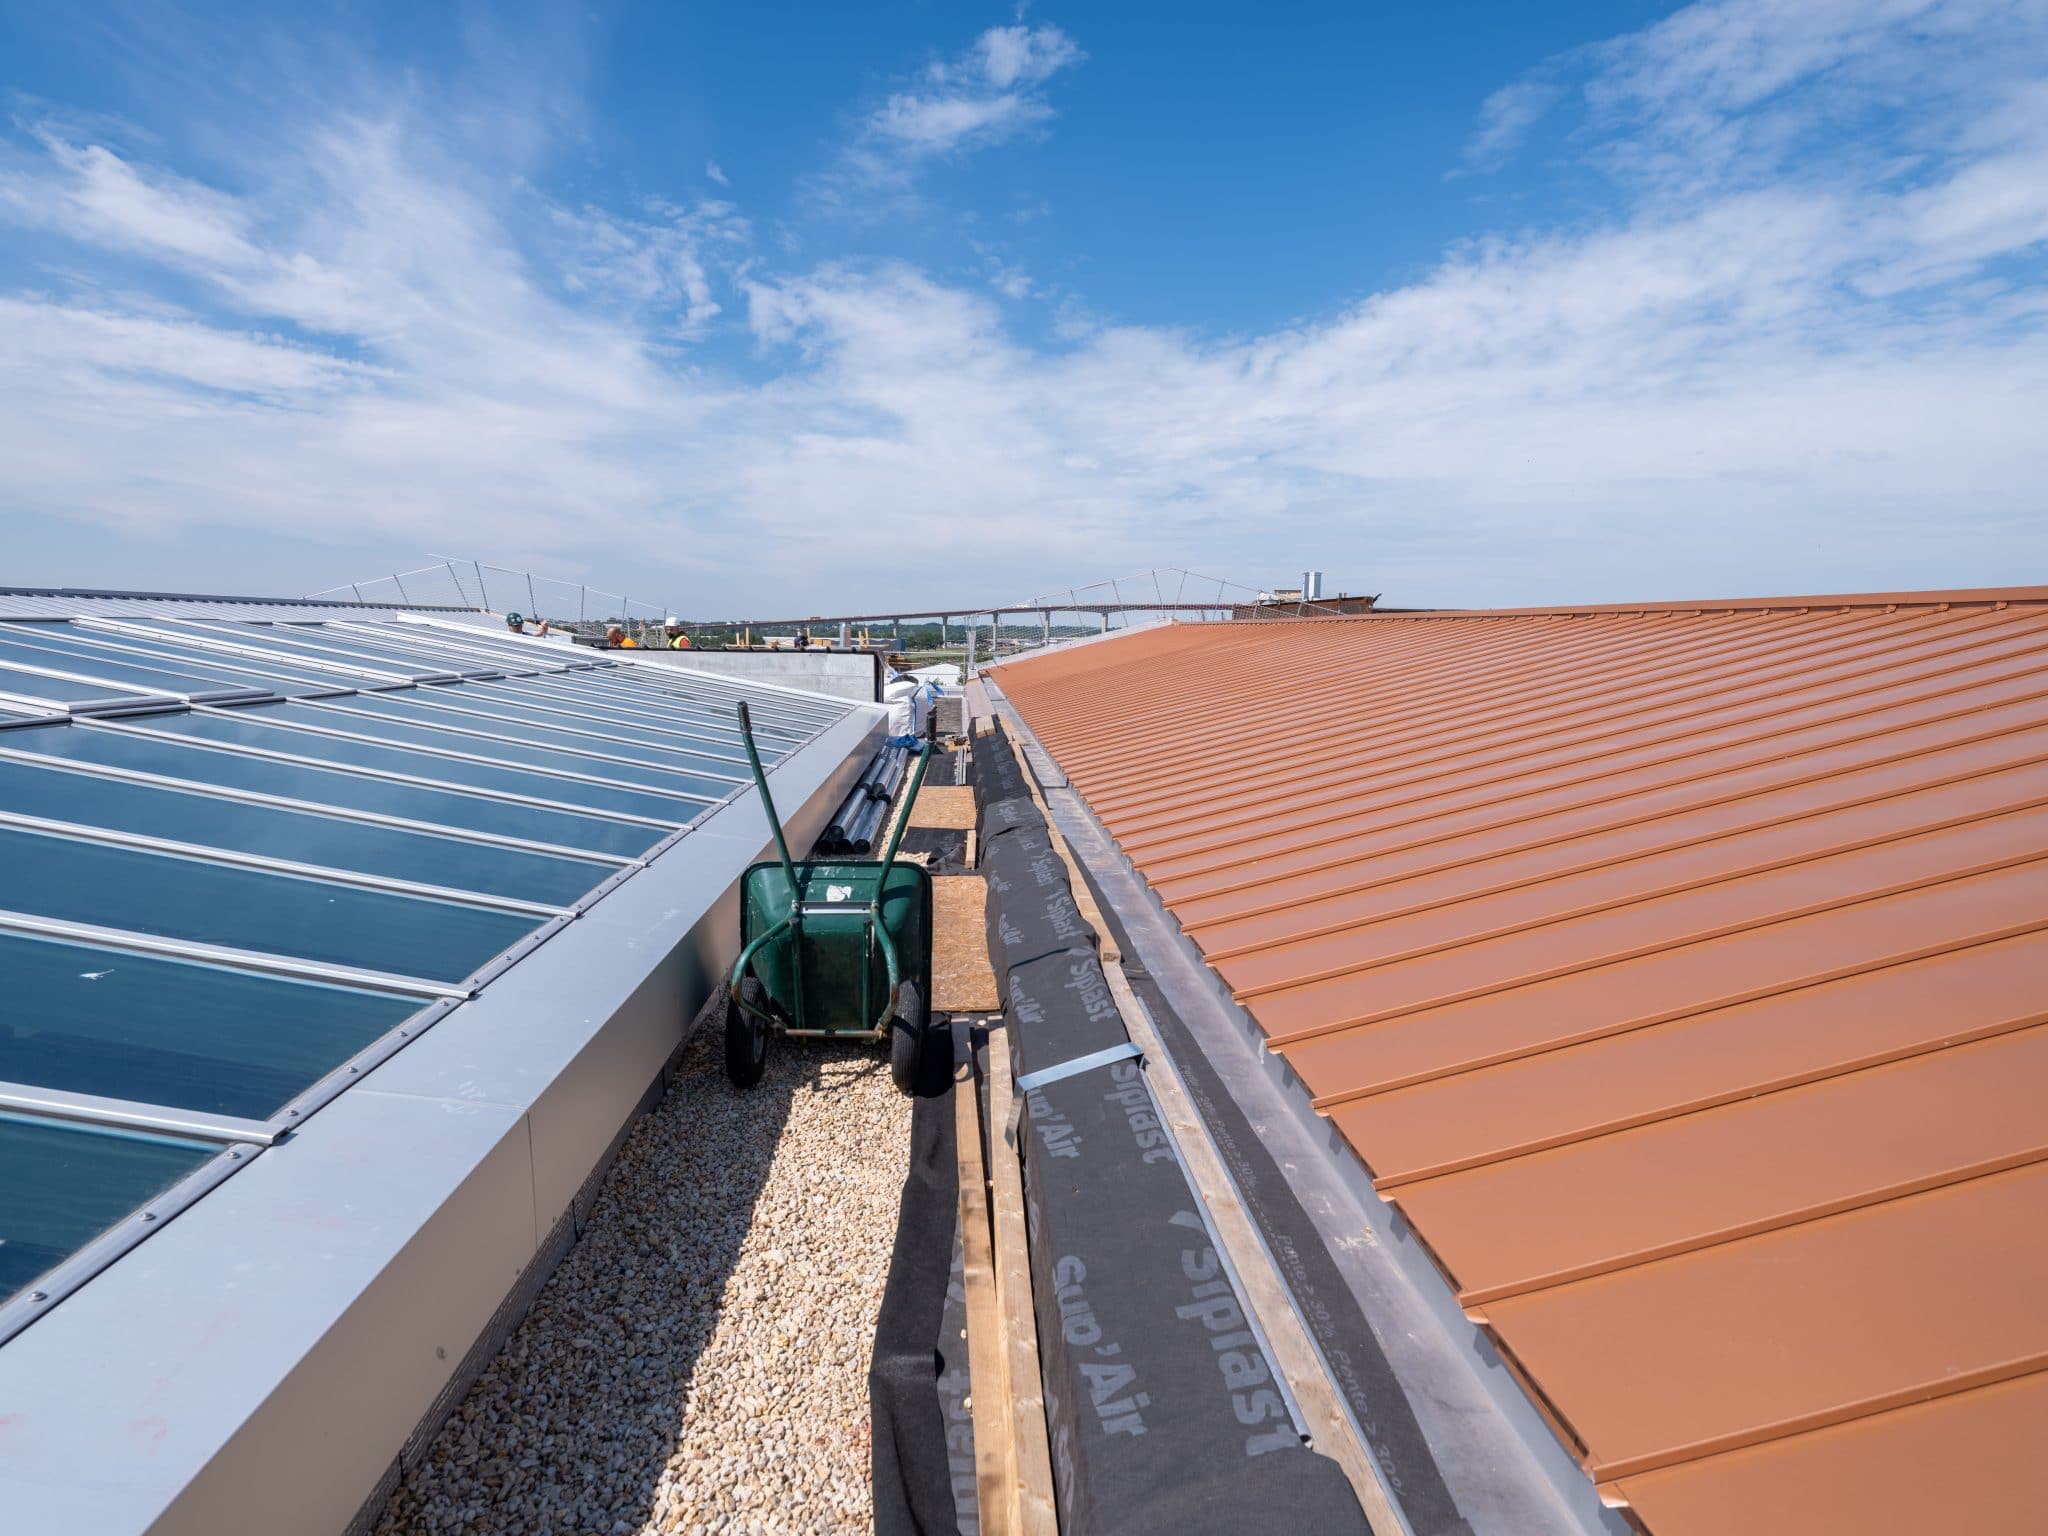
(944, 805)
(962, 980)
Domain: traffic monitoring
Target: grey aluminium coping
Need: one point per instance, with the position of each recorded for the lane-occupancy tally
(286, 1334)
(55, 1285)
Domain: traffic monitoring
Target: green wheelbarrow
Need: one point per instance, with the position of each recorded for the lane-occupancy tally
(831, 948)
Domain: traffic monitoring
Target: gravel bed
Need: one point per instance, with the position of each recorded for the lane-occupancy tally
(699, 1360)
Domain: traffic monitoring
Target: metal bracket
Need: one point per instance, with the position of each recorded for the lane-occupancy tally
(1078, 1065)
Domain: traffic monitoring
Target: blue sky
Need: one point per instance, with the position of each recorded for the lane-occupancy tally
(817, 306)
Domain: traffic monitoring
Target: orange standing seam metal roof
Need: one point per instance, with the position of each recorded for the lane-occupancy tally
(1682, 973)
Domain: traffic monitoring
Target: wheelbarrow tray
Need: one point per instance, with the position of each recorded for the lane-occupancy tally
(842, 986)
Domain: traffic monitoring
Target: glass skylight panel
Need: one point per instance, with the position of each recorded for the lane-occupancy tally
(565, 713)
(191, 1036)
(296, 642)
(487, 649)
(623, 711)
(460, 706)
(445, 734)
(110, 668)
(62, 690)
(274, 672)
(416, 655)
(62, 1185)
(645, 688)
(721, 717)
(303, 837)
(253, 728)
(428, 803)
(170, 896)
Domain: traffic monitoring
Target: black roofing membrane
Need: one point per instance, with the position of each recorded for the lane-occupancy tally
(922, 1455)
(1162, 1409)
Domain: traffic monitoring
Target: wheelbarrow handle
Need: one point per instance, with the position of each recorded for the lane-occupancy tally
(768, 801)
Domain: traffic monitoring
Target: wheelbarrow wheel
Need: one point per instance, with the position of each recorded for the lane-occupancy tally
(746, 1037)
(910, 1039)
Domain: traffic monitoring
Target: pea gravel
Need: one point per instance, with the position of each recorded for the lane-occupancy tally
(698, 1362)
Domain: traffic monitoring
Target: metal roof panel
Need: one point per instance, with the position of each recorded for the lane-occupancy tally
(1677, 970)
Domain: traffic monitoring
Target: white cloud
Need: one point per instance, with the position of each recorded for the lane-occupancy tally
(985, 96)
(1020, 55)
(1505, 119)
(660, 264)
(716, 173)
(98, 194)
(1823, 376)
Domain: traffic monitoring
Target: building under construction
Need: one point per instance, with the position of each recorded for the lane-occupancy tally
(1521, 1071)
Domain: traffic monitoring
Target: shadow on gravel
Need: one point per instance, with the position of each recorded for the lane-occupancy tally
(571, 1427)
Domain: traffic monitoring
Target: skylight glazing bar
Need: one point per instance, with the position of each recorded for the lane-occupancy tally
(55, 1284)
(405, 643)
(253, 649)
(562, 707)
(277, 720)
(403, 668)
(210, 854)
(220, 954)
(666, 702)
(272, 669)
(507, 658)
(719, 690)
(316, 807)
(620, 711)
(716, 712)
(724, 689)
(460, 702)
(35, 708)
(131, 1114)
(508, 733)
(389, 776)
(51, 662)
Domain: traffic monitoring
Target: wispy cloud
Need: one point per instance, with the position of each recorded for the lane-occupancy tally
(1505, 119)
(991, 93)
(1768, 368)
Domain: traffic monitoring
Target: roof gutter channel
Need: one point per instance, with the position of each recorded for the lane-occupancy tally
(1507, 1471)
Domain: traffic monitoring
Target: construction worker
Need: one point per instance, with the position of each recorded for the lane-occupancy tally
(677, 639)
(619, 640)
(516, 623)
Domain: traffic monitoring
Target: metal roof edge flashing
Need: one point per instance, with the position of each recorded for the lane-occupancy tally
(1455, 1377)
